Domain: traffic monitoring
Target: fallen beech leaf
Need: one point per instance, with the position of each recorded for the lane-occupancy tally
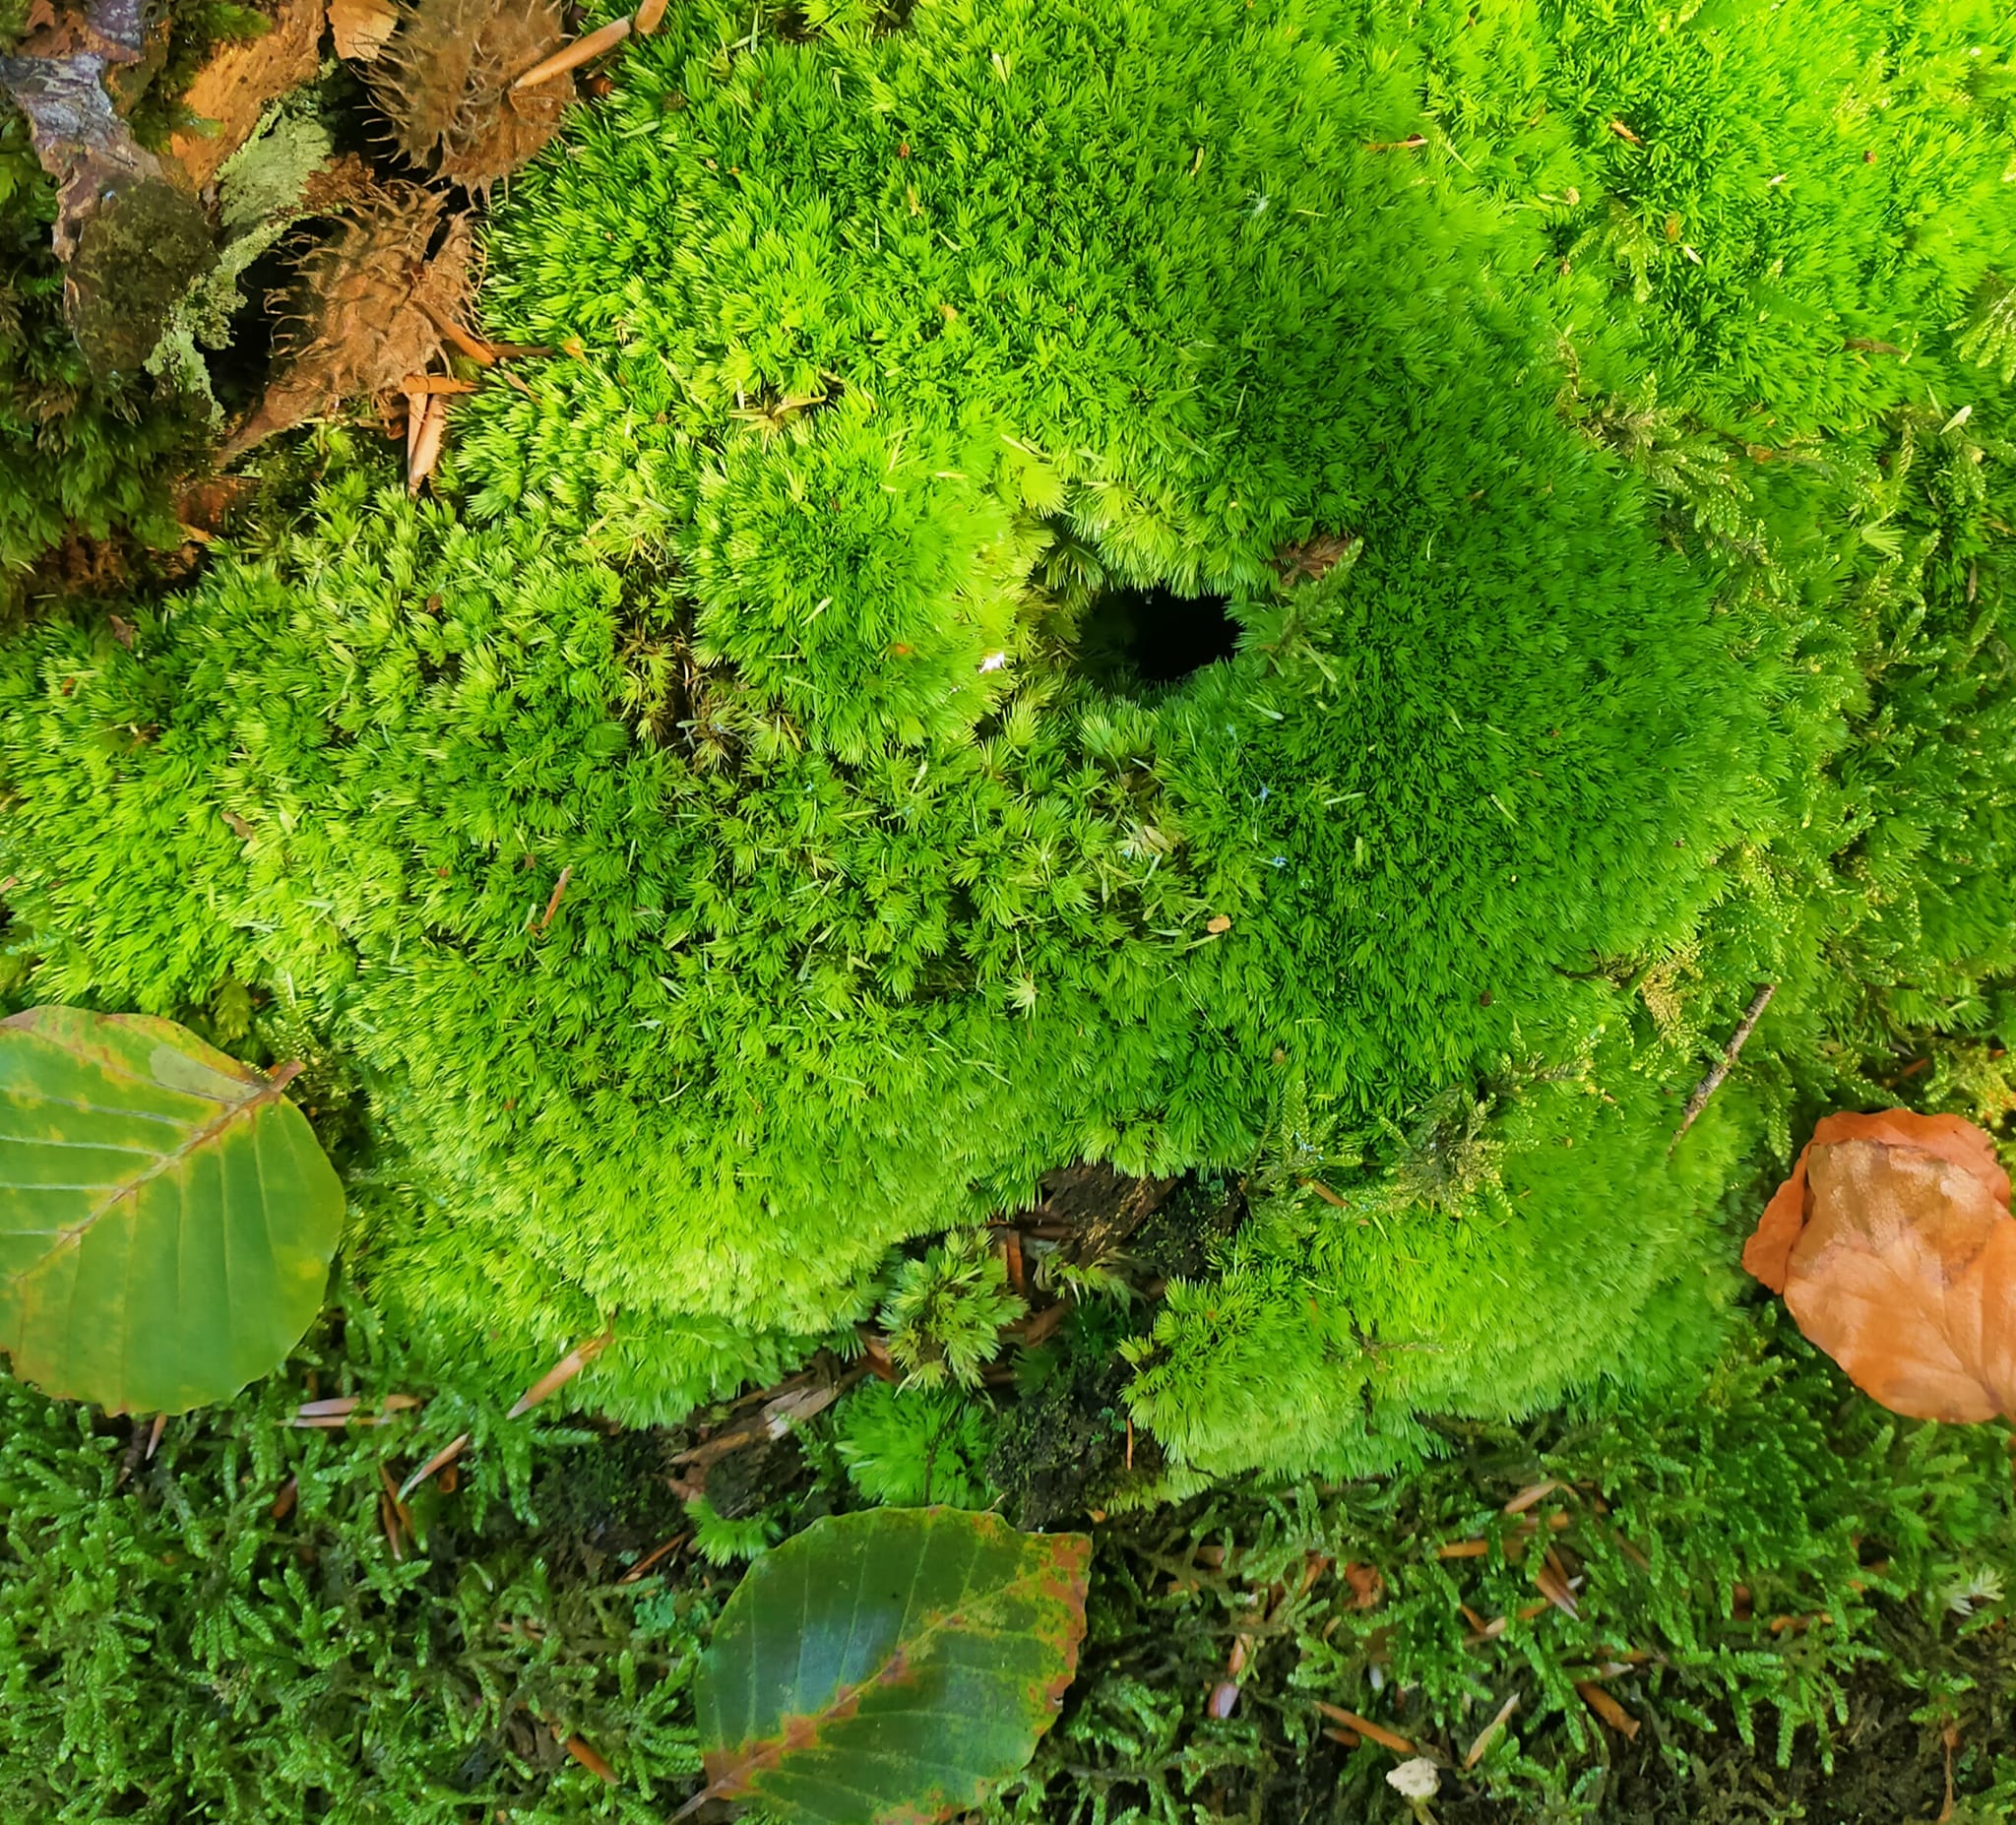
(1767, 1254)
(1895, 1249)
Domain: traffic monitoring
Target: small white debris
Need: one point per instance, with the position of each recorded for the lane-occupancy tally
(1416, 1780)
(994, 661)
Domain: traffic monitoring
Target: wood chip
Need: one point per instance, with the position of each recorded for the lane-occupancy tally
(572, 56)
(1607, 1707)
(1375, 1732)
(562, 1371)
(435, 383)
(1219, 926)
(284, 1502)
(1489, 1732)
(361, 27)
(1464, 1549)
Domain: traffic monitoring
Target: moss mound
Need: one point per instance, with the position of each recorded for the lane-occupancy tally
(1329, 583)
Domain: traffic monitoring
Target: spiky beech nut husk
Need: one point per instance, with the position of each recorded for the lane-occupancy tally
(444, 81)
(368, 309)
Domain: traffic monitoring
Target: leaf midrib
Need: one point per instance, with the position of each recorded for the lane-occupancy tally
(264, 1091)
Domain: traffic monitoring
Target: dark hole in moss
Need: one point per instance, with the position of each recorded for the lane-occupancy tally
(1150, 635)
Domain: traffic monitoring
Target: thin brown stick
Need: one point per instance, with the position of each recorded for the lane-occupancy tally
(648, 16)
(1710, 1083)
(651, 1558)
(559, 888)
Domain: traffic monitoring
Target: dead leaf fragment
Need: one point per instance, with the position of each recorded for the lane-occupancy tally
(1895, 1249)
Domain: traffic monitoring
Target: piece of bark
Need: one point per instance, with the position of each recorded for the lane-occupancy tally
(1099, 1208)
(242, 76)
(130, 240)
(360, 28)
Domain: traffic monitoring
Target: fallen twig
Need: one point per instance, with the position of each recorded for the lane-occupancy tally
(1710, 1083)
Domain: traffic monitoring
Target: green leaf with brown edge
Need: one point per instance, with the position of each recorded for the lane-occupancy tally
(889, 1668)
(167, 1216)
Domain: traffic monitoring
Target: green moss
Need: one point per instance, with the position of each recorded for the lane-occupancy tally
(1665, 658)
(222, 1631)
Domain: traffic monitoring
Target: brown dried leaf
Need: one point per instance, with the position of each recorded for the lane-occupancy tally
(1905, 1274)
(1894, 1247)
(1767, 1254)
